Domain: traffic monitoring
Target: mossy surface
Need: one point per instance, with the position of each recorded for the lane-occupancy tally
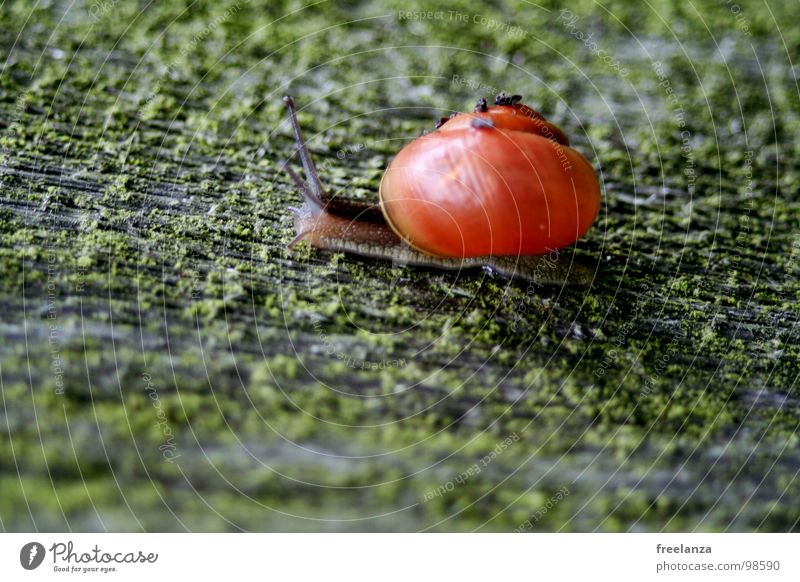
(167, 364)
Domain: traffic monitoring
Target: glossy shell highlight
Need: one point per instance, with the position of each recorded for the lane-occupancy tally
(500, 181)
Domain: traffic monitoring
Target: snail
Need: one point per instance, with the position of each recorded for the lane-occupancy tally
(499, 188)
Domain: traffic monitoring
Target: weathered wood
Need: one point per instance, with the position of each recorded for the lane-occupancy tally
(167, 364)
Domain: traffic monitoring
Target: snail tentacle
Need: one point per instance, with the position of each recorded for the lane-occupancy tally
(315, 184)
(315, 204)
(307, 215)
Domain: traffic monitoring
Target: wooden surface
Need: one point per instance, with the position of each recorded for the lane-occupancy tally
(167, 364)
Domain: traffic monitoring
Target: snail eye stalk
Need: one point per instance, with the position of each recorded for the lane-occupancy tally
(314, 183)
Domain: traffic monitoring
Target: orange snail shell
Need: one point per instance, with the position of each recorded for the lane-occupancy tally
(499, 181)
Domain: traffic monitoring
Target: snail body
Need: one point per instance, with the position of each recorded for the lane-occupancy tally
(499, 188)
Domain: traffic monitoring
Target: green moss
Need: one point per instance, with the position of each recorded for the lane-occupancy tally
(144, 166)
